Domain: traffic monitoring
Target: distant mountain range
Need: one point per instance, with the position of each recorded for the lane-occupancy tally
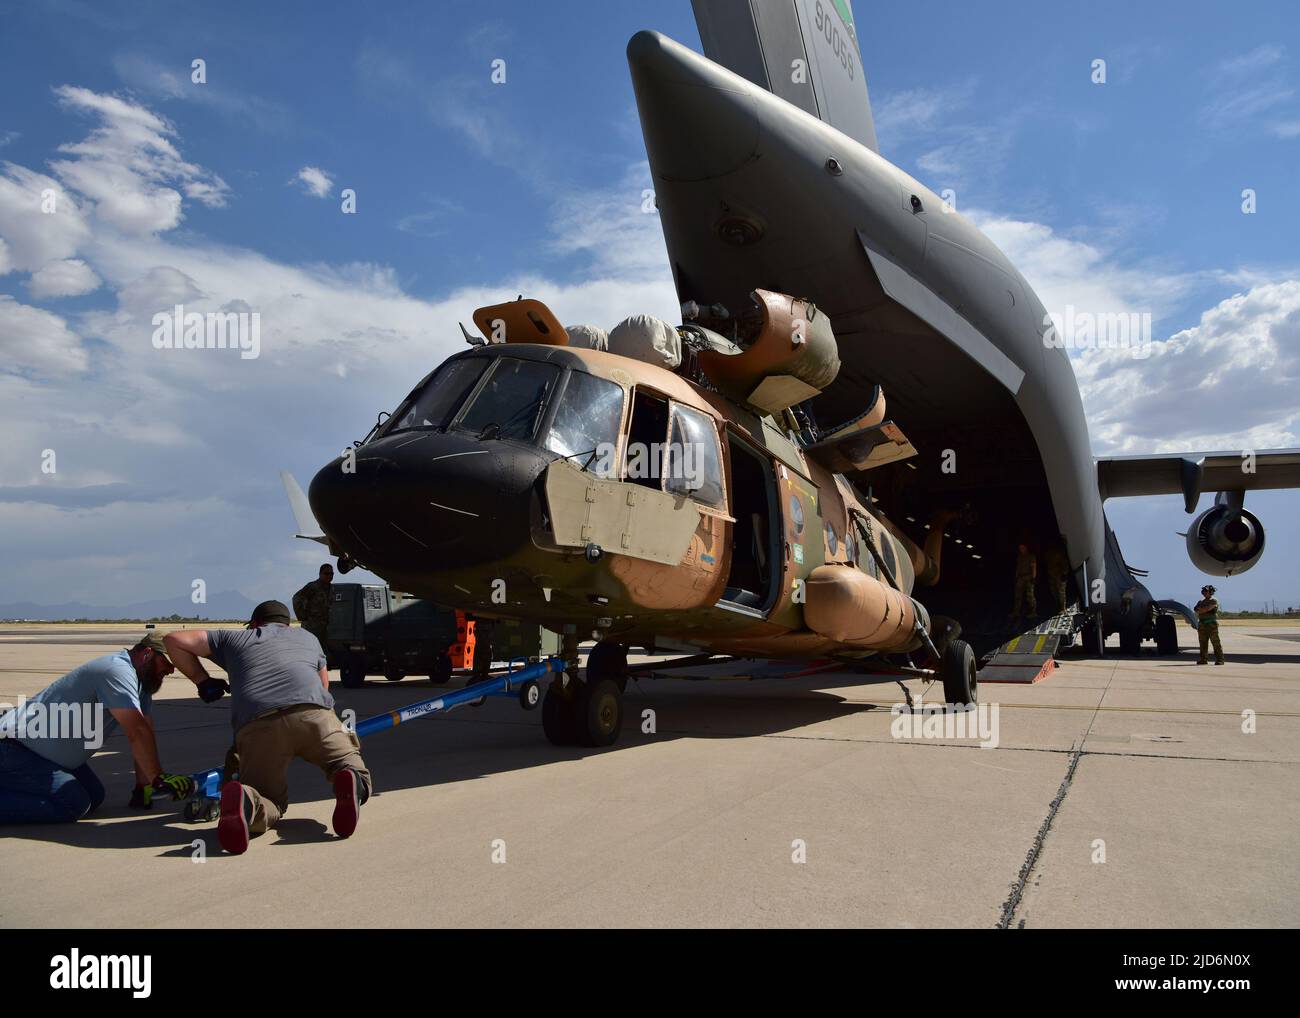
(228, 604)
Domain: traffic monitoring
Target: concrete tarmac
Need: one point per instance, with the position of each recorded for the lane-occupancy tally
(1145, 792)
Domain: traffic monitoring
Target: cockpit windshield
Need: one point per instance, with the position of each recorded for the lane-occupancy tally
(511, 403)
(587, 420)
(433, 405)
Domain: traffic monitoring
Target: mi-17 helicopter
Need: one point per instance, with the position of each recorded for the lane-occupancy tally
(658, 494)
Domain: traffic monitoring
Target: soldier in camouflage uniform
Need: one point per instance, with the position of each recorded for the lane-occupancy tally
(1026, 577)
(1207, 616)
(312, 604)
(1058, 568)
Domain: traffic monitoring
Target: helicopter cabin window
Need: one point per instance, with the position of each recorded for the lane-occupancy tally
(691, 465)
(511, 403)
(587, 421)
(645, 440)
(434, 403)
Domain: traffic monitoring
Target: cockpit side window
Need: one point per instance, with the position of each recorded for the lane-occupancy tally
(647, 435)
(510, 404)
(587, 421)
(433, 404)
(691, 463)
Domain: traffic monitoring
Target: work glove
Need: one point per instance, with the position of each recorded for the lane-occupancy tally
(141, 797)
(179, 786)
(211, 690)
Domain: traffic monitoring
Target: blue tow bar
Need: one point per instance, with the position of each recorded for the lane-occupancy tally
(523, 683)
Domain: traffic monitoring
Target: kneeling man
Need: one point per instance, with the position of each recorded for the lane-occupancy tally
(46, 743)
(281, 709)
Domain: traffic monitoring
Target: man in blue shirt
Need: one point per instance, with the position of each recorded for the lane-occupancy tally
(46, 742)
(281, 709)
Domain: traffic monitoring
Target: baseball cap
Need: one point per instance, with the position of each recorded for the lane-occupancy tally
(154, 642)
(270, 611)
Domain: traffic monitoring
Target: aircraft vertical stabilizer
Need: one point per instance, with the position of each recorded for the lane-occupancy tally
(804, 51)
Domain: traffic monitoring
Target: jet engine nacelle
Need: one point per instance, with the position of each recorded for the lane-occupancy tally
(1225, 540)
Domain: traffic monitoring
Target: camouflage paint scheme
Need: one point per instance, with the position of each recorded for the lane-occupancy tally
(629, 599)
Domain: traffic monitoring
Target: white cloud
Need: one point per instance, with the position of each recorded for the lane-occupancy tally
(315, 181)
(70, 277)
(1228, 382)
(128, 166)
(1257, 59)
(1065, 271)
(36, 341)
(33, 237)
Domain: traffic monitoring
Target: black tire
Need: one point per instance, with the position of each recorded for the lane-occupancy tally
(959, 672)
(1092, 639)
(1166, 635)
(1130, 643)
(599, 713)
(442, 669)
(352, 673)
(558, 720)
(530, 695)
(608, 661)
(393, 673)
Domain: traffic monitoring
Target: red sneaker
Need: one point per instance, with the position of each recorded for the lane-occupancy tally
(236, 814)
(346, 809)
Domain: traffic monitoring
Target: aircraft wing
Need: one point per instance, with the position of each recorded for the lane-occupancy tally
(1191, 473)
(308, 528)
(804, 51)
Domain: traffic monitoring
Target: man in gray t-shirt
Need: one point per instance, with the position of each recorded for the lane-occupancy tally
(281, 709)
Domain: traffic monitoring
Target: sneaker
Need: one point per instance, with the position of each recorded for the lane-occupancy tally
(1202, 662)
(236, 815)
(1218, 662)
(346, 803)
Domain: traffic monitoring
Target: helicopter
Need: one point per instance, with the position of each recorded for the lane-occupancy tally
(664, 493)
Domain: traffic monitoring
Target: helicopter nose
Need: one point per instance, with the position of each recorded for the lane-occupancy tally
(428, 501)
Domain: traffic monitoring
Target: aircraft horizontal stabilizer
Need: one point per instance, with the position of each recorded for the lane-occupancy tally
(308, 528)
(1191, 473)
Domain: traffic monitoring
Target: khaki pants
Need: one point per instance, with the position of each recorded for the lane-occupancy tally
(1208, 633)
(267, 745)
(1025, 597)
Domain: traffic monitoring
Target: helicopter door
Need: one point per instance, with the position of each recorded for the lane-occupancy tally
(756, 547)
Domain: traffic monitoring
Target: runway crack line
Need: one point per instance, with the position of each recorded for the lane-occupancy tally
(1018, 888)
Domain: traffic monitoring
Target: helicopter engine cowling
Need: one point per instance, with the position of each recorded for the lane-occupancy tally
(1225, 541)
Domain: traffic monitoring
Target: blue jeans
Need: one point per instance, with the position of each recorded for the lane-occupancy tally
(34, 790)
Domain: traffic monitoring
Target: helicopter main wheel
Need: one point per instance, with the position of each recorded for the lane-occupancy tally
(1166, 635)
(598, 710)
(958, 669)
(559, 718)
(394, 674)
(1130, 643)
(608, 661)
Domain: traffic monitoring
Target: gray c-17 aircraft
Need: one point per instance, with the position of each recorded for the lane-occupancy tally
(814, 276)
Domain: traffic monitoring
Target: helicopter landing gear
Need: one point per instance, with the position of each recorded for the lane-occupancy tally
(586, 714)
(957, 668)
(608, 661)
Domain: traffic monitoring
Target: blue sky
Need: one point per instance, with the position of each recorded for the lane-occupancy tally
(1120, 195)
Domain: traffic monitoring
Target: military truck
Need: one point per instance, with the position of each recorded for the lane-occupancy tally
(374, 630)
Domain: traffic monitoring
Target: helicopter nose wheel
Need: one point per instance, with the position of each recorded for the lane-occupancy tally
(587, 714)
